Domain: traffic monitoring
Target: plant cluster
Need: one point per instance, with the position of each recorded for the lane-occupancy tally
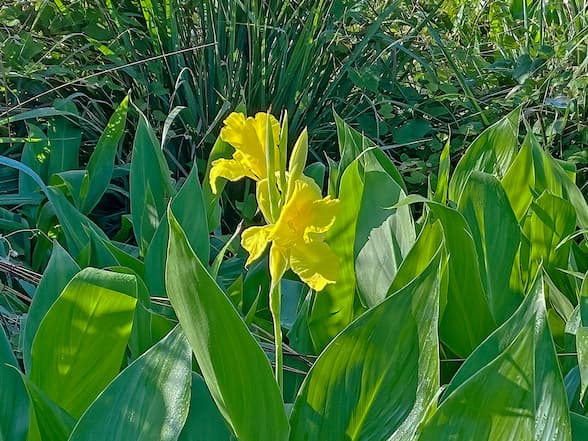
(412, 267)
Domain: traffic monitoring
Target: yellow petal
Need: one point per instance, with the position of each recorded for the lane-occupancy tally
(315, 263)
(228, 169)
(242, 134)
(324, 212)
(233, 129)
(255, 240)
(278, 262)
(260, 123)
(263, 199)
(297, 214)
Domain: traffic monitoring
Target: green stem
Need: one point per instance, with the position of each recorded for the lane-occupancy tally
(274, 304)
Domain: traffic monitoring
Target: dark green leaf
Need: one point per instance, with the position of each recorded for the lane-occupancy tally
(148, 401)
(235, 368)
(79, 346)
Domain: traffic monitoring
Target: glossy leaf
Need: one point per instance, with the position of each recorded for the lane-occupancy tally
(149, 400)
(234, 366)
(14, 403)
(205, 422)
(467, 319)
(79, 346)
(150, 184)
(491, 152)
(552, 219)
(48, 421)
(64, 139)
(188, 206)
(496, 236)
(101, 164)
(510, 387)
(59, 271)
(334, 308)
(379, 371)
(384, 235)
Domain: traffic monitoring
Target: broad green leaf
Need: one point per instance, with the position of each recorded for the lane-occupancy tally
(351, 146)
(101, 164)
(491, 152)
(234, 366)
(36, 156)
(141, 338)
(86, 330)
(552, 219)
(59, 271)
(64, 139)
(535, 171)
(74, 224)
(467, 319)
(150, 184)
(383, 237)
(579, 426)
(378, 372)
(188, 206)
(427, 243)
(14, 402)
(582, 337)
(510, 387)
(496, 236)
(333, 308)
(48, 421)
(519, 180)
(205, 422)
(149, 400)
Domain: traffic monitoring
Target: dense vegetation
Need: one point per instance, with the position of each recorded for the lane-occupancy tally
(400, 254)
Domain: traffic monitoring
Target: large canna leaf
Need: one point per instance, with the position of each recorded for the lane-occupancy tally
(384, 234)
(467, 318)
(150, 184)
(552, 219)
(510, 388)
(148, 401)
(205, 422)
(64, 139)
(188, 206)
(378, 372)
(496, 236)
(79, 346)
(101, 164)
(59, 271)
(235, 368)
(334, 308)
(491, 152)
(14, 401)
(47, 420)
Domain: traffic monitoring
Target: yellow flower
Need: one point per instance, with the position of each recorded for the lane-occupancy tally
(297, 237)
(248, 137)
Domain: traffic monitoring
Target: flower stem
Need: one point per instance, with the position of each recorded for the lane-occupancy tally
(275, 304)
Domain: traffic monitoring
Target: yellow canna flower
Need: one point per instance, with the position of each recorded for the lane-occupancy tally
(297, 236)
(248, 138)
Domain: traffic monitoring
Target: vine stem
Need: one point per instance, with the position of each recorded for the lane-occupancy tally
(275, 299)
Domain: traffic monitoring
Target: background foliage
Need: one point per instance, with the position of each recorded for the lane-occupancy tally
(111, 111)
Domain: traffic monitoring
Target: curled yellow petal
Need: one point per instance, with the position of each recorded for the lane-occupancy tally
(297, 215)
(255, 240)
(315, 263)
(323, 212)
(247, 136)
(228, 169)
